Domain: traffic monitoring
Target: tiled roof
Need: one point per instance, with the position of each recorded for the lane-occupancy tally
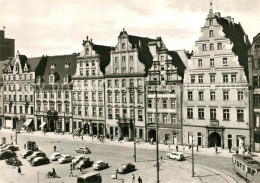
(60, 68)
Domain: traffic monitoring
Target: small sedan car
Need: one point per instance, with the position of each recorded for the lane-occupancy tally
(175, 155)
(84, 163)
(13, 161)
(7, 154)
(40, 161)
(36, 154)
(66, 158)
(78, 158)
(83, 150)
(55, 156)
(98, 165)
(26, 154)
(126, 168)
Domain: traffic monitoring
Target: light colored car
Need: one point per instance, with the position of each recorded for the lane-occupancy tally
(55, 156)
(78, 158)
(98, 165)
(36, 154)
(40, 161)
(66, 158)
(175, 155)
(83, 150)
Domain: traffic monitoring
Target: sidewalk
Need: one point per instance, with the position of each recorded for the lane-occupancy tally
(142, 145)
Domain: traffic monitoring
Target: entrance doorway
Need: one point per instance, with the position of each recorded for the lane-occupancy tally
(125, 131)
(51, 125)
(230, 140)
(67, 126)
(214, 139)
(152, 134)
(199, 139)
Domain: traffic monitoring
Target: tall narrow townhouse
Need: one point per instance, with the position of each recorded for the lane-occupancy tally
(54, 94)
(88, 90)
(19, 86)
(165, 76)
(216, 98)
(254, 73)
(125, 76)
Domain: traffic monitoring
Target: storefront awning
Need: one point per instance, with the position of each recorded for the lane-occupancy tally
(42, 125)
(27, 122)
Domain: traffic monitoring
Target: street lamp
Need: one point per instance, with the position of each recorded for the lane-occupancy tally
(192, 155)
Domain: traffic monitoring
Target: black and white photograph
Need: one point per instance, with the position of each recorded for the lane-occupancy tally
(129, 91)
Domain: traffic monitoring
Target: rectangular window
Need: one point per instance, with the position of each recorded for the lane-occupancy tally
(211, 33)
(131, 70)
(100, 97)
(124, 97)
(116, 83)
(110, 114)
(200, 78)
(211, 46)
(173, 103)
(131, 97)
(123, 83)
(210, 22)
(190, 96)
(140, 115)
(165, 118)
(85, 95)
(224, 61)
(132, 115)
(201, 95)
(124, 113)
(117, 113)
(225, 95)
(233, 78)
(100, 110)
(240, 95)
(201, 113)
(117, 97)
(212, 95)
(212, 62)
(123, 58)
(173, 118)
(225, 78)
(109, 84)
(79, 110)
(200, 62)
(123, 45)
(192, 78)
(212, 78)
(226, 114)
(150, 117)
(213, 114)
(86, 111)
(131, 81)
(190, 113)
(257, 101)
(164, 103)
(131, 58)
(94, 111)
(204, 47)
(94, 96)
(139, 98)
(219, 46)
(149, 103)
(240, 115)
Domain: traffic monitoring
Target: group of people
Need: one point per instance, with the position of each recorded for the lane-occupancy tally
(139, 179)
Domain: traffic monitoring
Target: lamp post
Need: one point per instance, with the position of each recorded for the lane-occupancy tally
(192, 155)
(130, 89)
(15, 118)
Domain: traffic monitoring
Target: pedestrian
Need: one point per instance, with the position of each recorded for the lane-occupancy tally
(24, 146)
(54, 148)
(133, 178)
(82, 137)
(183, 148)
(71, 165)
(81, 169)
(216, 149)
(229, 148)
(92, 138)
(249, 150)
(177, 148)
(197, 148)
(152, 140)
(53, 172)
(139, 180)
(73, 135)
(19, 170)
(11, 137)
(71, 174)
(169, 146)
(161, 158)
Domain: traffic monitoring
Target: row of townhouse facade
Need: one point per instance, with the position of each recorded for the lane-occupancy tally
(203, 96)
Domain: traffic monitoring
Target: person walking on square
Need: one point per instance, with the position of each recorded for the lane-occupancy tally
(197, 148)
(19, 170)
(139, 180)
(169, 146)
(161, 158)
(24, 146)
(177, 148)
(11, 138)
(54, 148)
(71, 174)
(81, 169)
(133, 178)
(229, 148)
(82, 137)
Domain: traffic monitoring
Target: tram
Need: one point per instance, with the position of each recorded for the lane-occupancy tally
(245, 166)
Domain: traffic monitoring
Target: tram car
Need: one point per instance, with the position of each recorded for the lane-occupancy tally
(245, 166)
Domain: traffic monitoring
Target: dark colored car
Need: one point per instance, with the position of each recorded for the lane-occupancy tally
(7, 154)
(40, 161)
(36, 154)
(12, 148)
(26, 154)
(125, 168)
(85, 163)
(82, 150)
(13, 161)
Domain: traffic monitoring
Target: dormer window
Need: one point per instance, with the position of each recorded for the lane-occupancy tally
(123, 45)
(87, 51)
(17, 68)
(66, 79)
(39, 80)
(51, 79)
(53, 65)
(67, 64)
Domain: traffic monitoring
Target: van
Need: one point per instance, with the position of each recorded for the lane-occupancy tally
(91, 177)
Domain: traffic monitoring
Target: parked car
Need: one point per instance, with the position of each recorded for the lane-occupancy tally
(78, 158)
(91, 177)
(36, 154)
(126, 168)
(26, 154)
(98, 165)
(4, 145)
(85, 163)
(175, 155)
(7, 154)
(83, 150)
(13, 161)
(65, 158)
(10, 147)
(40, 161)
(55, 156)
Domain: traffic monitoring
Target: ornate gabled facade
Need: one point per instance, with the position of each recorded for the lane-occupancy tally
(165, 76)
(254, 78)
(215, 96)
(18, 83)
(53, 96)
(88, 90)
(124, 79)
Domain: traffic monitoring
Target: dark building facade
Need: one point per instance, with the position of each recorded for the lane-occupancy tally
(6, 46)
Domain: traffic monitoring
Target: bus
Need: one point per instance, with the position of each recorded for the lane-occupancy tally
(245, 166)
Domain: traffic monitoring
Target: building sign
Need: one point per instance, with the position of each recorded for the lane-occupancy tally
(214, 123)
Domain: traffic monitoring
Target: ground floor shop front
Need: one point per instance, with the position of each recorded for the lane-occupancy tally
(216, 136)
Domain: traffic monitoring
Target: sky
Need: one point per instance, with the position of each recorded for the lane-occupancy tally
(56, 27)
